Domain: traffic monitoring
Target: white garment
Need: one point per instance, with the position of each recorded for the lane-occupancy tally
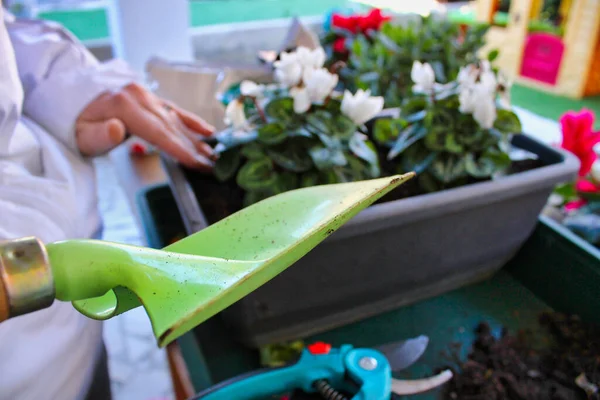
(48, 190)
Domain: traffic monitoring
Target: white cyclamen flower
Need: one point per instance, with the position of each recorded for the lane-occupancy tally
(249, 88)
(319, 83)
(288, 70)
(488, 80)
(310, 58)
(301, 100)
(234, 114)
(467, 76)
(484, 107)
(477, 96)
(423, 76)
(361, 106)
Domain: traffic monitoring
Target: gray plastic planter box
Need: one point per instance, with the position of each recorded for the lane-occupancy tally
(393, 253)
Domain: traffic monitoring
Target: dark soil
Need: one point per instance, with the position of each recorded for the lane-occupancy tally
(221, 199)
(528, 366)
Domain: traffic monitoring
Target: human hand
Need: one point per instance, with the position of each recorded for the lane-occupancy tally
(104, 123)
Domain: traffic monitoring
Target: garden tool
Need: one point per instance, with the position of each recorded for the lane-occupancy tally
(191, 280)
(331, 374)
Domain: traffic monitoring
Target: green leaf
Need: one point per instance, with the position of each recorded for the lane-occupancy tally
(343, 127)
(354, 171)
(362, 150)
(384, 130)
(227, 164)
(448, 168)
(280, 109)
(325, 158)
(369, 77)
(229, 138)
(271, 134)
(406, 138)
(487, 164)
(452, 145)
(291, 156)
(286, 181)
(413, 105)
(310, 178)
(418, 116)
(232, 93)
(438, 69)
(320, 121)
(567, 191)
(279, 355)
(387, 42)
(257, 175)
(492, 55)
(300, 132)
(507, 122)
(417, 159)
(435, 139)
(253, 150)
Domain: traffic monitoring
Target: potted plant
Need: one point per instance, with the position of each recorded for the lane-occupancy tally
(417, 244)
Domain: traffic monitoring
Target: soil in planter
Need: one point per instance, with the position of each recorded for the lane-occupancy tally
(221, 199)
(532, 366)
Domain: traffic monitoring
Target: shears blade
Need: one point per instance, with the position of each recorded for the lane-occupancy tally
(403, 354)
(415, 386)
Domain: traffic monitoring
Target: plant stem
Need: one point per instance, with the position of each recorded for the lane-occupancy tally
(261, 112)
(336, 66)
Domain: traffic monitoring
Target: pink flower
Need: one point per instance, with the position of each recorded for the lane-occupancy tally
(579, 139)
(575, 205)
(586, 186)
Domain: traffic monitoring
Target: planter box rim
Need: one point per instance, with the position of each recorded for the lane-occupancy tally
(562, 230)
(415, 207)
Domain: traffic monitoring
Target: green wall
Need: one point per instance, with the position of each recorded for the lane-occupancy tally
(92, 24)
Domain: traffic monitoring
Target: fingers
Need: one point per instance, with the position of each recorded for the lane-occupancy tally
(145, 116)
(195, 139)
(97, 138)
(192, 121)
(151, 126)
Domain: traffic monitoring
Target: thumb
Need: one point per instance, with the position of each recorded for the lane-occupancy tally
(97, 138)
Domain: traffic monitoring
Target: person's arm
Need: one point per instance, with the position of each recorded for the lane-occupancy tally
(90, 106)
(60, 77)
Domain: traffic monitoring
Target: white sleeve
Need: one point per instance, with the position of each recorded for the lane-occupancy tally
(60, 77)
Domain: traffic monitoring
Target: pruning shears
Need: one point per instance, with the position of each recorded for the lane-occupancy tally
(344, 373)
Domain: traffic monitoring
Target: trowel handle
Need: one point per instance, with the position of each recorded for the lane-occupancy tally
(26, 281)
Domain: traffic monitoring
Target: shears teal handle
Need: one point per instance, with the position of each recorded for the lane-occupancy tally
(372, 377)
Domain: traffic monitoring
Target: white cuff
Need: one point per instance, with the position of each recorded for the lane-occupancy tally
(56, 102)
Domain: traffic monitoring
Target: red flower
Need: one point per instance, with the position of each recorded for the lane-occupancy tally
(579, 139)
(339, 45)
(360, 23)
(347, 23)
(373, 20)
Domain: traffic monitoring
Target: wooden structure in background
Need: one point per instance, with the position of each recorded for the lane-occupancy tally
(567, 65)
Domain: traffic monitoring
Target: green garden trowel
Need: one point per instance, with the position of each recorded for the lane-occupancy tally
(191, 280)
